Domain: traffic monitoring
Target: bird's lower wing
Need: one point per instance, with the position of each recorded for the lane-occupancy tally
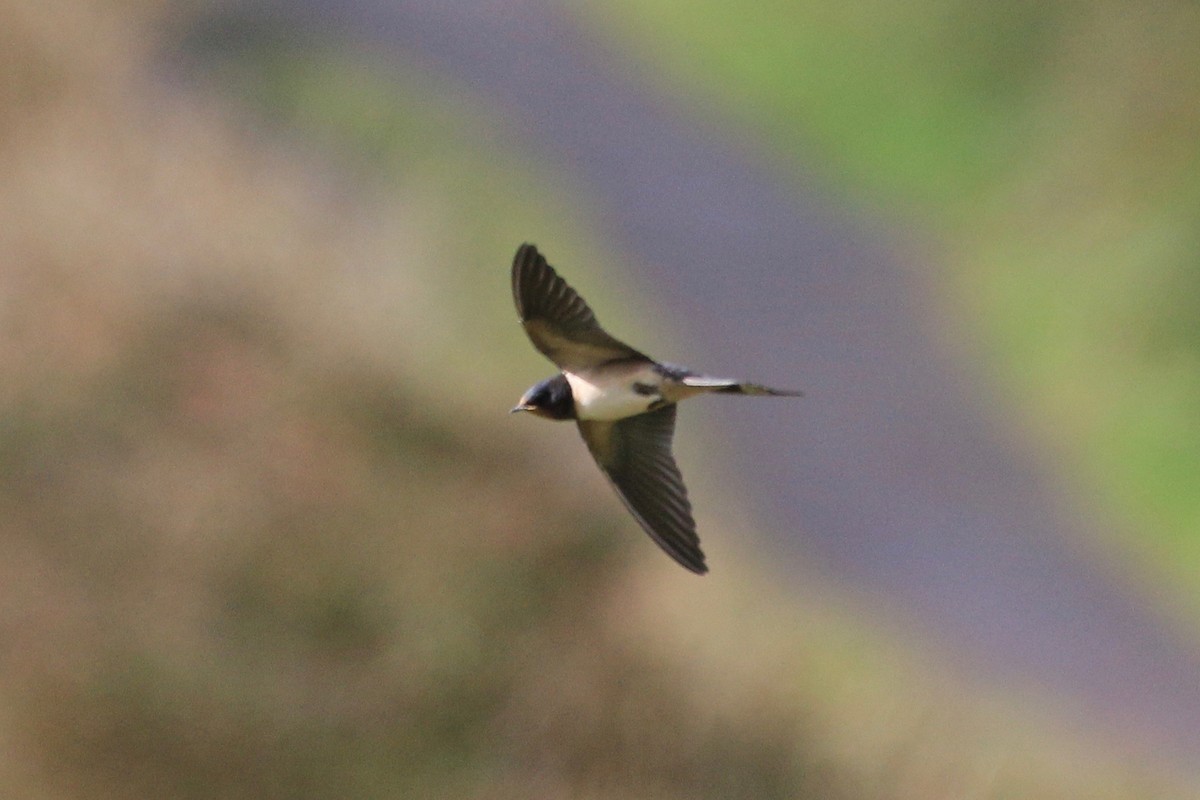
(635, 455)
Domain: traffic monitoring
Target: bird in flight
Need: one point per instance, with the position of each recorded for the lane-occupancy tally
(622, 400)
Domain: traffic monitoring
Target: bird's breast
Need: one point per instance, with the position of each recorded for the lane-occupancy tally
(610, 393)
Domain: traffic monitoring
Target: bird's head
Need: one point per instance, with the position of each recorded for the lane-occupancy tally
(550, 399)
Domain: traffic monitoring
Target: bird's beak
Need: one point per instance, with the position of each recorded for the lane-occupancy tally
(520, 407)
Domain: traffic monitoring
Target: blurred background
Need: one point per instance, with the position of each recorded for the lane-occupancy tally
(269, 532)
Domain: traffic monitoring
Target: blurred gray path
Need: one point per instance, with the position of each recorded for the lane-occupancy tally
(891, 475)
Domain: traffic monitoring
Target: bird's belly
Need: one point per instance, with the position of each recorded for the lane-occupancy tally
(608, 400)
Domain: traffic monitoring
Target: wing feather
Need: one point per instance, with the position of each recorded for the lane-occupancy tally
(557, 320)
(635, 455)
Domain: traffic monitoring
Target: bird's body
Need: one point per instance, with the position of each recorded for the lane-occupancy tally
(614, 391)
(622, 400)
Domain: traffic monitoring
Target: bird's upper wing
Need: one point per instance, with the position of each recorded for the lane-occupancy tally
(635, 454)
(557, 319)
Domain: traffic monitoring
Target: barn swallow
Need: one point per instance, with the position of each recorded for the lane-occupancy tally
(622, 400)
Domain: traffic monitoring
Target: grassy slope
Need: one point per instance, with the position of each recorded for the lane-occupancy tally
(1051, 147)
(246, 556)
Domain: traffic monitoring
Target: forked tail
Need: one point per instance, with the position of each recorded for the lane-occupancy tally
(726, 386)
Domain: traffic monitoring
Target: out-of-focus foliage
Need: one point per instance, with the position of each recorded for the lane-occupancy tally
(1052, 147)
(247, 555)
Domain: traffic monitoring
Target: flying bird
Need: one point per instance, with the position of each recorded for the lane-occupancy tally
(622, 400)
